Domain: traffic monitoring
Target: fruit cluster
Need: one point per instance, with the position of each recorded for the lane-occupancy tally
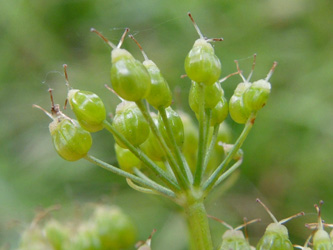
(107, 228)
(164, 152)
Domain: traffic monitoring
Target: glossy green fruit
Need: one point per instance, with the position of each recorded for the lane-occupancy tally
(126, 159)
(70, 140)
(88, 108)
(256, 96)
(114, 228)
(238, 111)
(151, 146)
(201, 63)
(130, 122)
(219, 112)
(275, 238)
(213, 94)
(176, 125)
(276, 235)
(160, 93)
(57, 234)
(129, 78)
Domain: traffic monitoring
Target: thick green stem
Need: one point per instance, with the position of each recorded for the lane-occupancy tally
(218, 172)
(198, 226)
(202, 144)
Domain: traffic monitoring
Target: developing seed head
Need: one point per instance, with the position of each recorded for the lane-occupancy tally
(256, 96)
(321, 239)
(130, 122)
(126, 159)
(160, 94)
(233, 238)
(276, 234)
(213, 94)
(70, 140)
(201, 63)
(129, 78)
(238, 111)
(87, 106)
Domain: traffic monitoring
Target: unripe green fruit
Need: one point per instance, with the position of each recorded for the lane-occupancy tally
(238, 111)
(219, 112)
(234, 240)
(88, 108)
(130, 122)
(129, 77)
(151, 146)
(126, 159)
(159, 94)
(57, 234)
(256, 96)
(70, 140)
(115, 229)
(275, 238)
(213, 94)
(322, 240)
(176, 125)
(201, 63)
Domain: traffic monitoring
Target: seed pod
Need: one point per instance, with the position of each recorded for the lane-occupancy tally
(87, 106)
(219, 112)
(70, 140)
(276, 235)
(126, 159)
(256, 96)
(114, 228)
(129, 78)
(159, 95)
(233, 238)
(176, 125)
(201, 63)
(321, 239)
(238, 111)
(213, 94)
(150, 146)
(130, 122)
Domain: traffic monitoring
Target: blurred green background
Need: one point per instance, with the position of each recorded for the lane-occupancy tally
(288, 155)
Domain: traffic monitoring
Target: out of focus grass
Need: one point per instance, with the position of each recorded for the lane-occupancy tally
(288, 155)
